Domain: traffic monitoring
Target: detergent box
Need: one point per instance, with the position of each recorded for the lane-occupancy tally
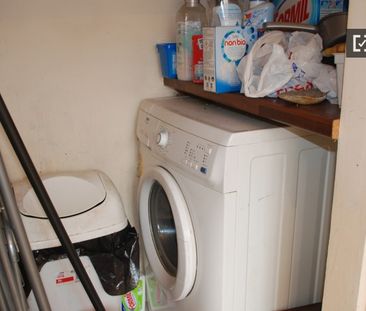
(307, 11)
(223, 48)
(134, 300)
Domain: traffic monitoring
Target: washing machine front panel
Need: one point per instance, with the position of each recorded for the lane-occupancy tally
(167, 232)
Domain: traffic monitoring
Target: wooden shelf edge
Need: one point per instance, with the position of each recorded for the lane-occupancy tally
(321, 118)
(335, 129)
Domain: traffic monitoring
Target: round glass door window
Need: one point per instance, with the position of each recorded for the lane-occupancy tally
(167, 232)
(163, 229)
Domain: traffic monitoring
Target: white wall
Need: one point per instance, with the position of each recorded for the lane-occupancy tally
(345, 286)
(72, 74)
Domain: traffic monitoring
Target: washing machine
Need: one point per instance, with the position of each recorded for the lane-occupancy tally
(234, 211)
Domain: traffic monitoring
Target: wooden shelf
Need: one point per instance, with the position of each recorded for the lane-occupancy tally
(321, 118)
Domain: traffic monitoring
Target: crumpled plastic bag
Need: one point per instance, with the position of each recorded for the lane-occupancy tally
(280, 62)
(266, 68)
(326, 81)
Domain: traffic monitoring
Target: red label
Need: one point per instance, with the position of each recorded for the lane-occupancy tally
(298, 87)
(197, 58)
(130, 301)
(66, 279)
(297, 13)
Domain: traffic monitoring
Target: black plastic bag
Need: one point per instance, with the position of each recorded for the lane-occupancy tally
(115, 258)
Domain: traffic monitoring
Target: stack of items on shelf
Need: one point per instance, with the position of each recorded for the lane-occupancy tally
(211, 43)
(228, 41)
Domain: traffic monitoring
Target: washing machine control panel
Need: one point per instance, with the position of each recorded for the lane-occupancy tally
(187, 150)
(190, 152)
(197, 155)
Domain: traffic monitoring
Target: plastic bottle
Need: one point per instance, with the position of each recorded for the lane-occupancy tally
(191, 17)
(226, 13)
(307, 11)
(244, 5)
(259, 12)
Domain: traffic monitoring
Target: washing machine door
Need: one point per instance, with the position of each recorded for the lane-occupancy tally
(167, 232)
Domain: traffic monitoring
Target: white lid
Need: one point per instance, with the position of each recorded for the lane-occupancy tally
(70, 195)
(87, 202)
(254, 3)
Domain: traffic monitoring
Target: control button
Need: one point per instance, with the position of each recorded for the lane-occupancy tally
(209, 150)
(203, 170)
(196, 167)
(162, 138)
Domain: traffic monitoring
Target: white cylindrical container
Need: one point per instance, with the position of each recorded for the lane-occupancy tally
(226, 13)
(339, 61)
(191, 17)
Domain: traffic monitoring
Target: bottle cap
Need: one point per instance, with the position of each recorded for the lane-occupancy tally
(254, 3)
(192, 2)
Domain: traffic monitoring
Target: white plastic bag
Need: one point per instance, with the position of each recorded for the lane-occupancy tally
(326, 81)
(266, 68)
(305, 48)
(280, 62)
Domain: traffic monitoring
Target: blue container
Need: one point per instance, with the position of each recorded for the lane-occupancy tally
(168, 62)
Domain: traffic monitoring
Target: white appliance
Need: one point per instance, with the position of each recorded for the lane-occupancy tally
(234, 211)
(89, 207)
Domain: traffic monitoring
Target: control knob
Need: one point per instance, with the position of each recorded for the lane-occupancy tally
(162, 138)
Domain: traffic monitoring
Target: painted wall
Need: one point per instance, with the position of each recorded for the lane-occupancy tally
(345, 286)
(73, 73)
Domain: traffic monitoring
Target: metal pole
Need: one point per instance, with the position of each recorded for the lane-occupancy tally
(8, 270)
(3, 304)
(5, 287)
(14, 258)
(47, 204)
(22, 240)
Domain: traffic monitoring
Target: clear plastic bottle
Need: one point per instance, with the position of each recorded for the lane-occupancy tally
(191, 17)
(226, 13)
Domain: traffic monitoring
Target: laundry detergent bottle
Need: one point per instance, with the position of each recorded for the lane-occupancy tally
(260, 12)
(191, 17)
